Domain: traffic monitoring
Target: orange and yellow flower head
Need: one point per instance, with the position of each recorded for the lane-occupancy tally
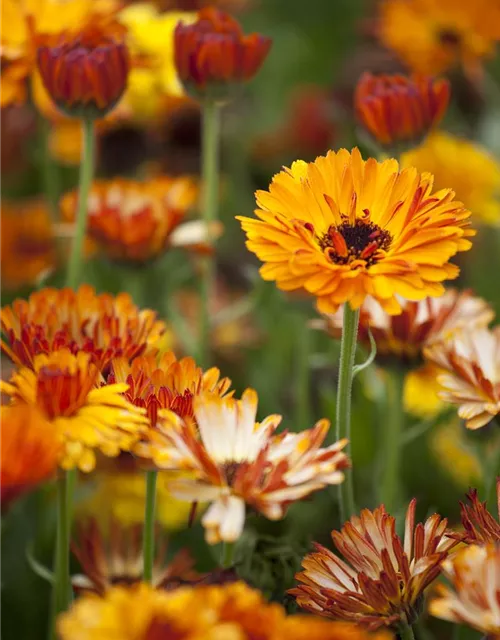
(472, 600)
(135, 222)
(103, 326)
(480, 526)
(30, 451)
(85, 73)
(382, 579)
(471, 378)
(233, 461)
(341, 228)
(213, 53)
(88, 416)
(397, 111)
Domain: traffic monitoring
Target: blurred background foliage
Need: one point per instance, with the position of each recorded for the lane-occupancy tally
(320, 48)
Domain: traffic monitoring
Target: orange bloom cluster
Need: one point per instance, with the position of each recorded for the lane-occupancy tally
(213, 52)
(384, 578)
(84, 73)
(398, 111)
(103, 326)
(480, 527)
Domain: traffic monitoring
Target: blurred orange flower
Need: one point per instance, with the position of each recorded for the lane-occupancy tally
(385, 577)
(138, 221)
(398, 112)
(28, 249)
(434, 37)
(67, 391)
(342, 228)
(30, 451)
(213, 53)
(480, 526)
(103, 326)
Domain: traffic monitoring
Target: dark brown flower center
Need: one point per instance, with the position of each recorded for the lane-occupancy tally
(450, 38)
(230, 470)
(362, 240)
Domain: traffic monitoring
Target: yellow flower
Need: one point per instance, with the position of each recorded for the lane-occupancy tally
(420, 392)
(67, 391)
(233, 461)
(341, 229)
(468, 168)
(475, 576)
(433, 36)
(28, 248)
(451, 452)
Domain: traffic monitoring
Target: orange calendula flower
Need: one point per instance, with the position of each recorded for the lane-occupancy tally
(383, 579)
(342, 228)
(471, 361)
(301, 627)
(30, 451)
(28, 249)
(102, 325)
(475, 576)
(118, 560)
(85, 73)
(434, 37)
(235, 461)
(67, 391)
(213, 53)
(398, 111)
(480, 526)
(136, 222)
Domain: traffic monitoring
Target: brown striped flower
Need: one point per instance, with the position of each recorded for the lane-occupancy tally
(383, 578)
(398, 111)
(213, 53)
(480, 526)
(102, 325)
(85, 73)
(117, 558)
(473, 600)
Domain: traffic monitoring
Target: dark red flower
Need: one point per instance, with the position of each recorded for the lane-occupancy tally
(86, 73)
(213, 53)
(398, 111)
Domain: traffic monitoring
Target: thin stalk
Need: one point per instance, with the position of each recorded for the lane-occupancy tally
(148, 536)
(85, 181)
(406, 632)
(303, 374)
(227, 555)
(344, 393)
(62, 586)
(210, 179)
(391, 441)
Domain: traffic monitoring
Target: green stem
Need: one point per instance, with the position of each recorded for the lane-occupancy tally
(406, 632)
(62, 587)
(148, 539)
(302, 395)
(344, 392)
(86, 171)
(210, 179)
(391, 451)
(227, 554)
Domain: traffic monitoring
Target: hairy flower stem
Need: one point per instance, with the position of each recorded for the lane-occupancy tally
(148, 536)
(210, 179)
(62, 584)
(391, 440)
(227, 555)
(344, 393)
(86, 171)
(406, 632)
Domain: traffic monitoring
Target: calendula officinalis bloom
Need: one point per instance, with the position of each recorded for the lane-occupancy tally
(397, 111)
(234, 461)
(28, 246)
(85, 73)
(116, 558)
(213, 53)
(67, 390)
(474, 573)
(435, 37)
(480, 526)
(471, 378)
(342, 228)
(30, 451)
(451, 448)
(135, 222)
(383, 578)
(470, 168)
(102, 325)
